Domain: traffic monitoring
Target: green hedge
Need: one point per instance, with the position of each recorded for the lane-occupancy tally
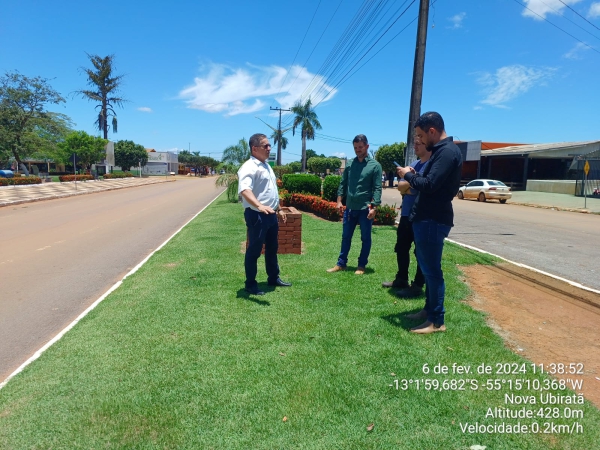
(302, 183)
(330, 187)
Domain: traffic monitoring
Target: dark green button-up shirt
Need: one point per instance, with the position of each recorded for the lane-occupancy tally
(361, 183)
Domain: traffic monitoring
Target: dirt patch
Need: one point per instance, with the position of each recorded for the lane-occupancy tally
(545, 320)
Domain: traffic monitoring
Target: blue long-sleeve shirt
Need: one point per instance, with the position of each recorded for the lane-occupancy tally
(438, 184)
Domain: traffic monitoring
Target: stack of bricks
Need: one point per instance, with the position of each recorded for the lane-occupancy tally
(290, 233)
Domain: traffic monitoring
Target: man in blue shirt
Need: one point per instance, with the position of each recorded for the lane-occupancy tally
(432, 215)
(404, 232)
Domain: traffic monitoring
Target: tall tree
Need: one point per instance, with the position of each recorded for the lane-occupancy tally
(386, 155)
(128, 154)
(237, 154)
(105, 89)
(278, 136)
(308, 121)
(89, 149)
(24, 120)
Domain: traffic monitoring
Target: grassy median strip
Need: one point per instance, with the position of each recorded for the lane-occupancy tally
(180, 357)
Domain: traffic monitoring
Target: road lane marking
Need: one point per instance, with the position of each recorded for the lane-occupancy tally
(56, 338)
(43, 248)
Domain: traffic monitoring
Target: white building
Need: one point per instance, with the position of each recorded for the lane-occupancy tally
(160, 163)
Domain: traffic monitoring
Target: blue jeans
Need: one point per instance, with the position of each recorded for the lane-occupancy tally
(353, 217)
(262, 229)
(429, 240)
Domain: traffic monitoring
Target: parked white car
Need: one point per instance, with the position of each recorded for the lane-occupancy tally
(483, 190)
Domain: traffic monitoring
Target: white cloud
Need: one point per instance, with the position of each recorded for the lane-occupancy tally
(575, 52)
(144, 109)
(542, 8)
(509, 82)
(223, 89)
(477, 107)
(457, 20)
(339, 154)
(594, 11)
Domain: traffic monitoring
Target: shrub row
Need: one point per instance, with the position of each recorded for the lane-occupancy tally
(65, 178)
(312, 203)
(19, 181)
(108, 176)
(385, 215)
(302, 183)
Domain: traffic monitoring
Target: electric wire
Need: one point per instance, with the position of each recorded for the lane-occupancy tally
(370, 48)
(556, 26)
(592, 24)
(298, 51)
(566, 18)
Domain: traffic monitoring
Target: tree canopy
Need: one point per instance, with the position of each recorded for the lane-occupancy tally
(319, 164)
(387, 154)
(237, 154)
(129, 154)
(89, 149)
(26, 126)
(105, 89)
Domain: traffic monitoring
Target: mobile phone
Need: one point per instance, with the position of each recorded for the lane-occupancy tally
(396, 164)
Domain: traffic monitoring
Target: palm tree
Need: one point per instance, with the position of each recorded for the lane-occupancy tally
(105, 87)
(278, 136)
(233, 157)
(237, 154)
(308, 121)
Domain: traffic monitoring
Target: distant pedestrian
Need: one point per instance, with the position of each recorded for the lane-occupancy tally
(361, 187)
(260, 197)
(432, 215)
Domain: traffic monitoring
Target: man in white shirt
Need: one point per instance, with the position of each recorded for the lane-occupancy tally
(260, 197)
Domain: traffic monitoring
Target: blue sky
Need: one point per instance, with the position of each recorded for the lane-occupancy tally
(198, 73)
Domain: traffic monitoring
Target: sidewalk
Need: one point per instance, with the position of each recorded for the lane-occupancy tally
(562, 202)
(14, 195)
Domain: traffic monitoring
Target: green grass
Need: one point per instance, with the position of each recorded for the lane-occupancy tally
(180, 357)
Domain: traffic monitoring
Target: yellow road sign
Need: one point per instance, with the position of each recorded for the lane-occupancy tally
(586, 168)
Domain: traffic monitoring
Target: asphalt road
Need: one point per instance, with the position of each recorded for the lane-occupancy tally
(58, 256)
(562, 243)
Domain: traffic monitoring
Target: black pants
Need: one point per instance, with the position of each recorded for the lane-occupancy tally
(262, 229)
(404, 240)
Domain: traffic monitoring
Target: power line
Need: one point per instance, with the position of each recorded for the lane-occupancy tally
(370, 48)
(554, 25)
(566, 18)
(320, 37)
(298, 51)
(579, 15)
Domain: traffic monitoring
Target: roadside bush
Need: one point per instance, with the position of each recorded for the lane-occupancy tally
(108, 176)
(311, 203)
(330, 187)
(65, 178)
(20, 181)
(385, 215)
(302, 183)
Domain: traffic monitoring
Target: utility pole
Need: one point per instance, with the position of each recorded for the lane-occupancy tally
(279, 133)
(417, 82)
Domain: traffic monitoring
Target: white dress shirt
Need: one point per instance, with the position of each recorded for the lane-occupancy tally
(261, 180)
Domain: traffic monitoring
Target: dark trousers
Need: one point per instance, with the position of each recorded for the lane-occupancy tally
(429, 239)
(404, 240)
(262, 229)
(353, 217)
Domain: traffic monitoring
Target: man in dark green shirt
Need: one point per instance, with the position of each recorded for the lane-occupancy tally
(361, 186)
